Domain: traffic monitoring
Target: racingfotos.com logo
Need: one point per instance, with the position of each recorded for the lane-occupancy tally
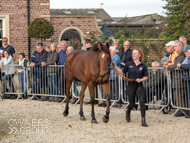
(23, 126)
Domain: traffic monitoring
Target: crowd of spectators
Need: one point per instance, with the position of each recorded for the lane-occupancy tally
(48, 78)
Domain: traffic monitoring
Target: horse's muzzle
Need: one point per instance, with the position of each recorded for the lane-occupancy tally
(103, 76)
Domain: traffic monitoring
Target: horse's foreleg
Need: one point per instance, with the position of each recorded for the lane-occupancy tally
(92, 100)
(108, 97)
(68, 85)
(84, 85)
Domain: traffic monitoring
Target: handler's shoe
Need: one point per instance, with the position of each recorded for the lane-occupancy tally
(128, 118)
(144, 122)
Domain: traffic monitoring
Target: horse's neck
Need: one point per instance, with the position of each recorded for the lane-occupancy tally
(93, 57)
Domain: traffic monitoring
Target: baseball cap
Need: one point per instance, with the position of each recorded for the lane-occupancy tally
(171, 43)
(186, 48)
(104, 38)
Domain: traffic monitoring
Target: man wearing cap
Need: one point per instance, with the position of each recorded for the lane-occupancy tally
(173, 54)
(104, 40)
(178, 85)
(186, 66)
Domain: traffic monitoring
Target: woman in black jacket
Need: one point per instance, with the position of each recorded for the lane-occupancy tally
(136, 70)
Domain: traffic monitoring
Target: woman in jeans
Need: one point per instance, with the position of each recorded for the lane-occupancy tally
(52, 71)
(8, 71)
(136, 70)
(22, 78)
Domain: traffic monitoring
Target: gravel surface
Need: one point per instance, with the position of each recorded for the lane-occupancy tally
(23, 121)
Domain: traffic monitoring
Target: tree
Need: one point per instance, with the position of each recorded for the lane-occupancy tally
(178, 19)
(40, 29)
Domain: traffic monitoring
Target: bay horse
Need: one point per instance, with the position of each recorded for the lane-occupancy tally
(91, 68)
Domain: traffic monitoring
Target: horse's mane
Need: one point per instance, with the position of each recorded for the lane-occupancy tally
(104, 49)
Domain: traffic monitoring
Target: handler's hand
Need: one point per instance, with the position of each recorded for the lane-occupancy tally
(1, 66)
(138, 80)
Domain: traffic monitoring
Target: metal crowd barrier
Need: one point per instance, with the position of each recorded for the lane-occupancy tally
(13, 81)
(179, 88)
(155, 90)
(46, 81)
(114, 89)
(163, 88)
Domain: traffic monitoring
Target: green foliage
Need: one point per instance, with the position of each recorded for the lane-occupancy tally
(40, 29)
(140, 33)
(144, 48)
(178, 19)
(91, 38)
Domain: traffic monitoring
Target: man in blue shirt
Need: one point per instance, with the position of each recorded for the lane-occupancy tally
(63, 55)
(8, 48)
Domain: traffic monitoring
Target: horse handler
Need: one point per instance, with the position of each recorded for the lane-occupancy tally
(137, 70)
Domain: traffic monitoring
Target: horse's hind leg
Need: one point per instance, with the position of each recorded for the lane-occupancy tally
(108, 97)
(84, 85)
(92, 100)
(68, 85)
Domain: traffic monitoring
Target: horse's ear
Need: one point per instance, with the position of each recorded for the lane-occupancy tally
(99, 46)
(107, 46)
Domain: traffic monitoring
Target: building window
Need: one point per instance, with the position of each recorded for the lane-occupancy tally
(2, 31)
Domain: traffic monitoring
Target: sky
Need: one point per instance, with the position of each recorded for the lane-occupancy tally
(115, 8)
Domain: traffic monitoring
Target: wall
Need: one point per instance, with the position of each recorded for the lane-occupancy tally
(154, 53)
(17, 23)
(82, 24)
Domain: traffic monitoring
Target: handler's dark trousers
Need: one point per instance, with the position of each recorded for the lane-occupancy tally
(133, 89)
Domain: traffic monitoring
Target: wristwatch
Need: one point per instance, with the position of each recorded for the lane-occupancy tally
(141, 79)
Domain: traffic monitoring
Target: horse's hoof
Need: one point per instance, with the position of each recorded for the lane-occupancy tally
(82, 118)
(94, 121)
(105, 120)
(65, 113)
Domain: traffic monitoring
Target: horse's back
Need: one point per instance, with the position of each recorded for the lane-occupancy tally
(72, 56)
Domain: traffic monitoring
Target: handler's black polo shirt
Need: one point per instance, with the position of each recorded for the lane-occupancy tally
(134, 71)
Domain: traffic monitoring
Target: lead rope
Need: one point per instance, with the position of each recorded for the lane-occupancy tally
(123, 77)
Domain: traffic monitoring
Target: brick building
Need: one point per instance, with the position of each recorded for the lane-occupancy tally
(14, 23)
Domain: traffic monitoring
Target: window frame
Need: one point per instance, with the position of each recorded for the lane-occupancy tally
(3, 29)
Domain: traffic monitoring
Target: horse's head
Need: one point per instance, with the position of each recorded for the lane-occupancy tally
(104, 59)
